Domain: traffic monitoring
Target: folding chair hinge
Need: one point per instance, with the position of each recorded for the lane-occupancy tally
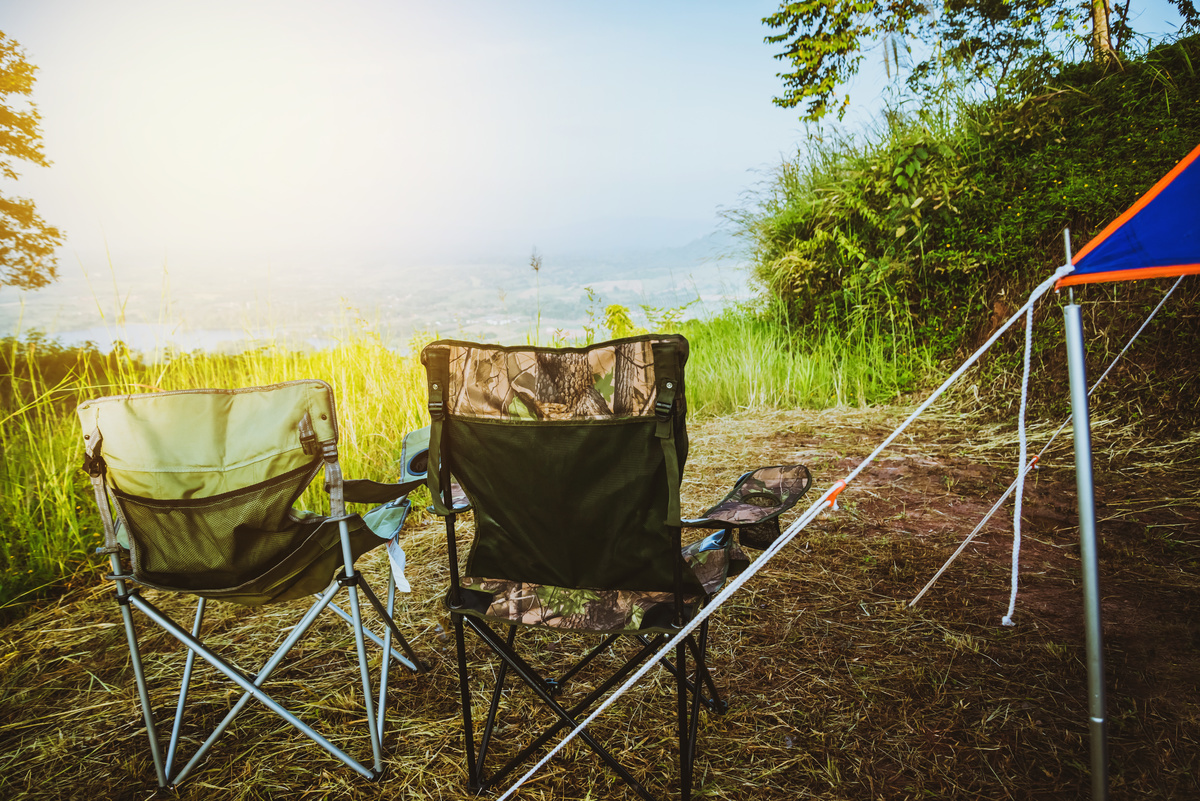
(124, 598)
(348, 581)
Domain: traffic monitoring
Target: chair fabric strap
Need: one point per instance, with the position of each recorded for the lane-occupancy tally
(437, 370)
(308, 436)
(361, 490)
(110, 529)
(668, 376)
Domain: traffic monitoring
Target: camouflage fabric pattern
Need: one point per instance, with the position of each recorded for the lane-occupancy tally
(609, 380)
(603, 611)
(765, 493)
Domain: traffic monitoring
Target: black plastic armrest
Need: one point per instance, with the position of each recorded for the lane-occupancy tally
(360, 490)
(756, 501)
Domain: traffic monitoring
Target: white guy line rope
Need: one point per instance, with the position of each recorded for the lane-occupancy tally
(795, 528)
(1041, 289)
(1046, 447)
(1024, 448)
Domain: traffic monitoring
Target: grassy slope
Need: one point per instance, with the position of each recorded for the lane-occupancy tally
(942, 220)
(837, 689)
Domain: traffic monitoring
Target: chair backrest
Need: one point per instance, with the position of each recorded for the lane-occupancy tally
(571, 458)
(203, 481)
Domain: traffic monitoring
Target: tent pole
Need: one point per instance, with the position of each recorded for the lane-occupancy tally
(1085, 491)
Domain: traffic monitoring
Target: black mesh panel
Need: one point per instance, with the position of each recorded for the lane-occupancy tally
(217, 542)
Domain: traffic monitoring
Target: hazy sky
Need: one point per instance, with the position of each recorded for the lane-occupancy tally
(272, 129)
(248, 133)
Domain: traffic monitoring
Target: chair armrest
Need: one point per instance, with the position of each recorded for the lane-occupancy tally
(755, 503)
(360, 490)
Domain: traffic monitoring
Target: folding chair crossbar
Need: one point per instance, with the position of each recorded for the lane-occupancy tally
(495, 705)
(581, 707)
(713, 700)
(249, 687)
(410, 661)
(582, 663)
(189, 663)
(528, 675)
(260, 678)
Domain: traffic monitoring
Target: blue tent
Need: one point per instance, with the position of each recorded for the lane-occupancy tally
(1158, 236)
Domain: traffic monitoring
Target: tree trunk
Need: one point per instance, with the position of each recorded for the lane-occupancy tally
(1102, 48)
(565, 387)
(631, 389)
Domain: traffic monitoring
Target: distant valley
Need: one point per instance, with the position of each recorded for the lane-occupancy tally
(225, 306)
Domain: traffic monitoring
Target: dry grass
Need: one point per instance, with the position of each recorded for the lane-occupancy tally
(837, 689)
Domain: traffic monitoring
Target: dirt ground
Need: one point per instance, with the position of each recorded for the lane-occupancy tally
(837, 687)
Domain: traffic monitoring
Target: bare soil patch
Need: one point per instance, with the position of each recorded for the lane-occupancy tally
(837, 688)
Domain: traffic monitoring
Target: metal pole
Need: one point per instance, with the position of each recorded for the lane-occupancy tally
(1087, 549)
(135, 657)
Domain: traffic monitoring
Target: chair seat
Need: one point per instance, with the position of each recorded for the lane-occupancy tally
(601, 611)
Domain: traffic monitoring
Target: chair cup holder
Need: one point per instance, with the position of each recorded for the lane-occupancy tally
(759, 536)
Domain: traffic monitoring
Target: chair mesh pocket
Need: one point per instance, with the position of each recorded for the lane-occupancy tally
(218, 542)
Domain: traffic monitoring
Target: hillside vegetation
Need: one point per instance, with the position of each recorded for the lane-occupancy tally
(941, 220)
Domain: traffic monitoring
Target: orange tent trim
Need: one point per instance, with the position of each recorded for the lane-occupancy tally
(1138, 206)
(1128, 275)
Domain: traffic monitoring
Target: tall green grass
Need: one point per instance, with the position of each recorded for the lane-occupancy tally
(48, 521)
(942, 213)
(742, 360)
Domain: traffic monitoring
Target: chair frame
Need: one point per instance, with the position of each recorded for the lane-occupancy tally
(690, 695)
(129, 597)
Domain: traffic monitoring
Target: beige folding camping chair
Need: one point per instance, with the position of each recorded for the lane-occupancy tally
(195, 489)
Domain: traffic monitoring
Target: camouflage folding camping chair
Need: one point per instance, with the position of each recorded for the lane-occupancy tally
(195, 490)
(571, 461)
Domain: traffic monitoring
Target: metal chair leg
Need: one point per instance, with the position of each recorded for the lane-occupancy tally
(351, 579)
(183, 687)
(125, 598)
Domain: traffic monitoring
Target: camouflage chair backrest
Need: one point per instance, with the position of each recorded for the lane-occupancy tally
(605, 381)
(560, 451)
